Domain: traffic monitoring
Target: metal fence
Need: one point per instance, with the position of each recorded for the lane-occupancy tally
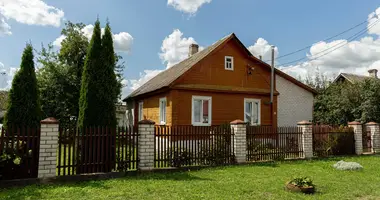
(177, 146)
(96, 149)
(333, 140)
(273, 143)
(19, 148)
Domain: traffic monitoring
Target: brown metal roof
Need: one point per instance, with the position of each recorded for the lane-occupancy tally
(165, 78)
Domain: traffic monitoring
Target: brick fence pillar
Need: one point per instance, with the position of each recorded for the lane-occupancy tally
(307, 138)
(239, 128)
(48, 148)
(375, 136)
(358, 134)
(146, 145)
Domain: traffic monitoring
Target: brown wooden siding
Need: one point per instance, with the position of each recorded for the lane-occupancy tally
(151, 108)
(211, 71)
(225, 107)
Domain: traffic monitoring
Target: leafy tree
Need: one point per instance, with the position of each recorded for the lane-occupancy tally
(23, 102)
(341, 103)
(60, 76)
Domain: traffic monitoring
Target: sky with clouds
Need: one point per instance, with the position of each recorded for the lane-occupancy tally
(155, 35)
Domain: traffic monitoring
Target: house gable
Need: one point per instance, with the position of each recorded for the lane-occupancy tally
(211, 71)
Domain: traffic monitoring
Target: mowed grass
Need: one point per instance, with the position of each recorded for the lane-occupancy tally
(256, 181)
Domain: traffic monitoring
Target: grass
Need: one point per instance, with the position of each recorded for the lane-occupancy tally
(256, 181)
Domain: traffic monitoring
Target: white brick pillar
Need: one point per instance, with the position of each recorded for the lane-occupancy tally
(48, 148)
(307, 138)
(146, 145)
(375, 136)
(239, 129)
(358, 136)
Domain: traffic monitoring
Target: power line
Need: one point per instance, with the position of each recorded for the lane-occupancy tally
(353, 37)
(329, 38)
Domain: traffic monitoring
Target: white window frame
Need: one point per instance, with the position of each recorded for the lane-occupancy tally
(141, 111)
(209, 110)
(162, 119)
(258, 101)
(232, 63)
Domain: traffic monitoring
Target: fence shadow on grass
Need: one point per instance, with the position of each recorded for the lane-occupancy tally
(177, 176)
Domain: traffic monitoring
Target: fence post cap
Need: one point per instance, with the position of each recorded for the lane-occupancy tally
(50, 120)
(371, 123)
(237, 121)
(354, 123)
(147, 121)
(304, 122)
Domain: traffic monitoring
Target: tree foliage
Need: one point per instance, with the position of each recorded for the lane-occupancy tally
(60, 76)
(23, 102)
(341, 103)
(99, 85)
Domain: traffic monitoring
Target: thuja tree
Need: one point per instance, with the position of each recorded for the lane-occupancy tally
(24, 108)
(92, 94)
(99, 92)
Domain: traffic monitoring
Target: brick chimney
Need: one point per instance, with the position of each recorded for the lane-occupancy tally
(373, 73)
(193, 49)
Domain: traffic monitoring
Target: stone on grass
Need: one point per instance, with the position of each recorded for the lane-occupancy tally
(342, 165)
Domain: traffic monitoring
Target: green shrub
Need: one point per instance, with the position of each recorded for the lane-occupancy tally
(12, 161)
(179, 157)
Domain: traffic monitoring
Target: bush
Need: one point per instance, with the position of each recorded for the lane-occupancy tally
(341, 165)
(12, 161)
(179, 157)
(218, 151)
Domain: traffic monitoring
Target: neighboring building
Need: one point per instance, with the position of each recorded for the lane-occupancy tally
(352, 78)
(121, 115)
(222, 83)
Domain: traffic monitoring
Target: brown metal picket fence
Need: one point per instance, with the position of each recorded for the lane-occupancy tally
(19, 147)
(178, 146)
(97, 149)
(266, 143)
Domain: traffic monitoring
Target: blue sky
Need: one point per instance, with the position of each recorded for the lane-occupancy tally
(289, 25)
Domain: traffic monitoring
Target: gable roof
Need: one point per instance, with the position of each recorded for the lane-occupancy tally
(351, 77)
(168, 76)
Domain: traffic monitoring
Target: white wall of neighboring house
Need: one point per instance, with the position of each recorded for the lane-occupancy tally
(294, 104)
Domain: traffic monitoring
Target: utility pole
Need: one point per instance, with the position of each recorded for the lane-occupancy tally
(272, 78)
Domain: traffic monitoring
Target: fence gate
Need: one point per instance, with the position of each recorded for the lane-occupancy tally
(20, 150)
(366, 138)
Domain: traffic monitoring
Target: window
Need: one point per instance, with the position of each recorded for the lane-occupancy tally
(201, 111)
(141, 117)
(229, 63)
(252, 111)
(163, 110)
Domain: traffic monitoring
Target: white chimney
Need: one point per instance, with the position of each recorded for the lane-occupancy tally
(373, 73)
(193, 49)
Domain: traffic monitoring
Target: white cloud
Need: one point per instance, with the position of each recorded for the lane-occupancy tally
(5, 29)
(122, 41)
(144, 77)
(175, 48)
(31, 12)
(6, 76)
(356, 56)
(187, 6)
(263, 48)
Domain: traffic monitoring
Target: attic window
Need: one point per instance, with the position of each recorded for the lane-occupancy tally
(229, 63)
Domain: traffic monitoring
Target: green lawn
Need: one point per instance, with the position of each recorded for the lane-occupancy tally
(256, 181)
